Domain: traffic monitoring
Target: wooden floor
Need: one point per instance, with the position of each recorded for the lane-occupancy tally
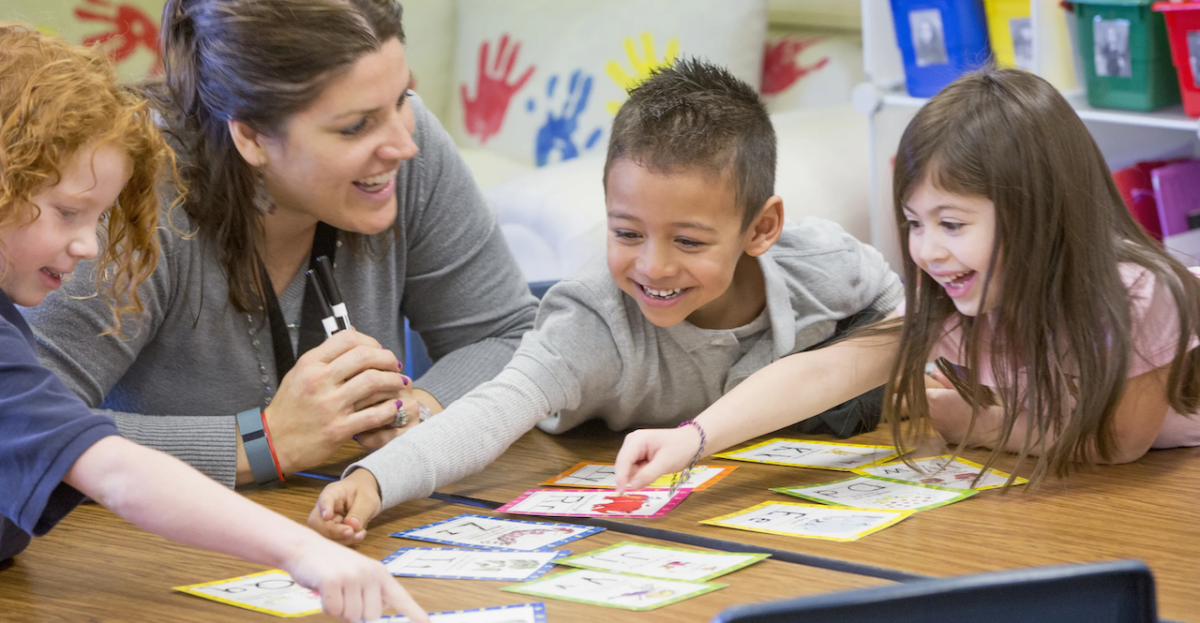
(96, 567)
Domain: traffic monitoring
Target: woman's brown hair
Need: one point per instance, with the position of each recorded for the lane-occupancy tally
(1059, 327)
(56, 98)
(259, 62)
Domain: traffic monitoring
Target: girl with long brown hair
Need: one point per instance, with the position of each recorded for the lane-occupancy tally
(1072, 332)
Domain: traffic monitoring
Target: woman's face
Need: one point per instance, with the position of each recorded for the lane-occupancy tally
(337, 160)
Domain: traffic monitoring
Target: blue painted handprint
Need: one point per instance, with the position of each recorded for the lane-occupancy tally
(557, 134)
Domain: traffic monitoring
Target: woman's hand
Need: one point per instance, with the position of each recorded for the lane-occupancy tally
(650, 453)
(331, 395)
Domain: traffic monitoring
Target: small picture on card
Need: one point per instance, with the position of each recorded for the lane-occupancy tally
(270, 592)
(642, 504)
(470, 564)
(628, 592)
(517, 613)
(604, 476)
(811, 521)
(879, 493)
(667, 563)
(818, 454)
(481, 531)
(943, 471)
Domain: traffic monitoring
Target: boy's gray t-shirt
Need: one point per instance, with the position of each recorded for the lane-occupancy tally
(592, 354)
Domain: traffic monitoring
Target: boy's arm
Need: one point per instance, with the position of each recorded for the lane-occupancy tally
(792, 389)
(163, 495)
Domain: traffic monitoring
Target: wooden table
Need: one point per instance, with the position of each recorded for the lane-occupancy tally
(1149, 510)
(94, 566)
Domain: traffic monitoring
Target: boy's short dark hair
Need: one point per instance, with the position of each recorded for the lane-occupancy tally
(698, 115)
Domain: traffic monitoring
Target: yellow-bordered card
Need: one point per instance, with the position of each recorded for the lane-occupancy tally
(808, 453)
(879, 493)
(604, 476)
(271, 592)
(943, 471)
(810, 521)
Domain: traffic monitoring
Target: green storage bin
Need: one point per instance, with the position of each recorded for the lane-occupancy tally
(1126, 55)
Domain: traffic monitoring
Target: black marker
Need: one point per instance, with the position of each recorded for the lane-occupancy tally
(325, 273)
(328, 320)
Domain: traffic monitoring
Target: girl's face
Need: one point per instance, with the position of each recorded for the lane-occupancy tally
(337, 160)
(950, 237)
(34, 257)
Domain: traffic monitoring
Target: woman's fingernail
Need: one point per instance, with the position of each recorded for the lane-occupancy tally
(401, 364)
(399, 404)
(404, 379)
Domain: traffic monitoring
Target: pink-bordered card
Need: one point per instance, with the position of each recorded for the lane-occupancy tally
(642, 504)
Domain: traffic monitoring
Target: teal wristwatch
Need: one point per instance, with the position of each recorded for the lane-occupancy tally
(258, 451)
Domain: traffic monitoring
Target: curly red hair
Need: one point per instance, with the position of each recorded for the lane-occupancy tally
(56, 98)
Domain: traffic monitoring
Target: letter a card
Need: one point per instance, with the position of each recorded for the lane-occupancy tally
(481, 531)
(643, 504)
(879, 493)
(628, 592)
(811, 521)
(271, 592)
(806, 453)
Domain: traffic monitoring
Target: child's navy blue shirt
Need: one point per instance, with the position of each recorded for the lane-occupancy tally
(44, 428)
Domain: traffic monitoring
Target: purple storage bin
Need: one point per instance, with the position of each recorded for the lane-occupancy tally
(1177, 190)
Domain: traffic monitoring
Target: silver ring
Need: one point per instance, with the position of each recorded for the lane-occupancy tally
(401, 419)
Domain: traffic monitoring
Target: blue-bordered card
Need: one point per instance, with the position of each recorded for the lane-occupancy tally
(516, 613)
(483, 532)
(471, 564)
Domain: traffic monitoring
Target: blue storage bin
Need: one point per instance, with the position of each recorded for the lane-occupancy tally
(940, 40)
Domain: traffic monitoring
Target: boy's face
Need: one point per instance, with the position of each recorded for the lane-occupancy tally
(950, 237)
(35, 256)
(674, 242)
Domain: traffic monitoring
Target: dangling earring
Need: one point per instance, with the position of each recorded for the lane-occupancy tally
(263, 201)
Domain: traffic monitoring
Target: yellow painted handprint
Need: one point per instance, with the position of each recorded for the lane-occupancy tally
(641, 67)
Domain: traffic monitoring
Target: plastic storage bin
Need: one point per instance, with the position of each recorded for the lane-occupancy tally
(1010, 29)
(1126, 57)
(939, 40)
(1177, 191)
(1183, 29)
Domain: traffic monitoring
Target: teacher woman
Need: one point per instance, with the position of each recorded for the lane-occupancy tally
(298, 137)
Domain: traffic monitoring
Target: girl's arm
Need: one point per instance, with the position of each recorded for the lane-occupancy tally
(792, 389)
(1136, 423)
(163, 495)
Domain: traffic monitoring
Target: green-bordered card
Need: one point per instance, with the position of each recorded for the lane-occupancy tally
(879, 494)
(599, 588)
(667, 563)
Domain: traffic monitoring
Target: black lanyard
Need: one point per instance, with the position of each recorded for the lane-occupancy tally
(311, 331)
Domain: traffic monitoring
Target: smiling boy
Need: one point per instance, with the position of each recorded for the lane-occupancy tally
(705, 284)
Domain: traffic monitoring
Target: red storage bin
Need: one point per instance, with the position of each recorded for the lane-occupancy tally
(1183, 30)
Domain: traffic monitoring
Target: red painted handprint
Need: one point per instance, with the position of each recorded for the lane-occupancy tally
(484, 115)
(132, 28)
(780, 70)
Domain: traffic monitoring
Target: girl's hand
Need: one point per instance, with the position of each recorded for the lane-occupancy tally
(344, 508)
(650, 453)
(331, 395)
(950, 413)
(352, 586)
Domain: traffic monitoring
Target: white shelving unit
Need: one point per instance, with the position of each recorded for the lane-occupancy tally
(1124, 136)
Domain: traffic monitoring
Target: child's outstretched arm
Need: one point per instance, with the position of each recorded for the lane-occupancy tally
(163, 495)
(792, 389)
